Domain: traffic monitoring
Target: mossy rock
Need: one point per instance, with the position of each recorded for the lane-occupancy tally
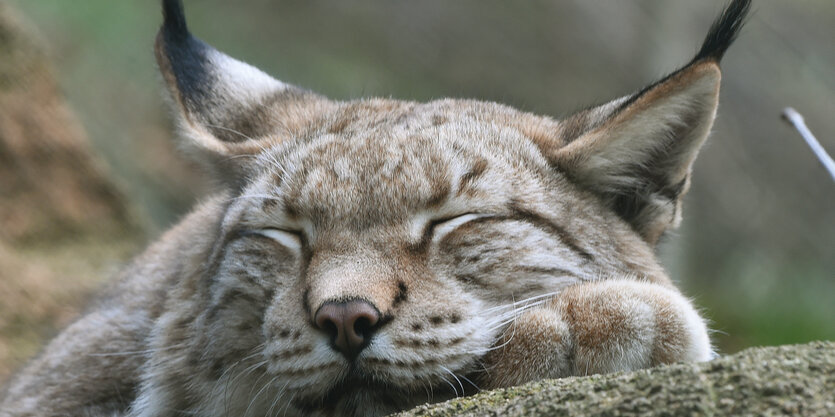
(796, 380)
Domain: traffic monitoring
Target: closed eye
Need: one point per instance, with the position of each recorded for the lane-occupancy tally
(439, 227)
(291, 240)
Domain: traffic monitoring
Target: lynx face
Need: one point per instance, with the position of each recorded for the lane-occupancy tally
(441, 218)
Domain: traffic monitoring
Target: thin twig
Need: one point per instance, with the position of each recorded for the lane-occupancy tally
(796, 119)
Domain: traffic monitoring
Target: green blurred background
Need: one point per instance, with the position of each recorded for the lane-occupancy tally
(756, 249)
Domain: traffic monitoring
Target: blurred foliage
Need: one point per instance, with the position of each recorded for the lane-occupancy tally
(757, 247)
(63, 224)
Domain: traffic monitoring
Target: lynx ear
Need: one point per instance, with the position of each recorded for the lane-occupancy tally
(636, 152)
(226, 107)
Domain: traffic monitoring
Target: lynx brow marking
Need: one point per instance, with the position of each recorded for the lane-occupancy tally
(545, 270)
(542, 223)
(472, 175)
(549, 226)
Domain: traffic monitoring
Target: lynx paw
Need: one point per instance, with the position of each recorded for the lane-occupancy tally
(599, 327)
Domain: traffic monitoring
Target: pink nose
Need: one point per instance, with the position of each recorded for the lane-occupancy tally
(350, 324)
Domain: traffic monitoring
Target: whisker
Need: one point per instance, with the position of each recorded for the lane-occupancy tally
(455, 390)
(523, 301)
(246, 372)
(471, 382)
(230, 131)
(136, 352)
(289, 403)
(252, 401)
(252, 196)
(277, 397)
(456, 378)
(257, 351)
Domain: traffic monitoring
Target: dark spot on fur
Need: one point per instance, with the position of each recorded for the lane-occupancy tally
(544, 270)
(402, 294)
(436, 320)
(194, 360)
(277, 179)
(246, 326)
(217, 368)
(455, 318)
(340, 125)
(291, 209)
(383, 361)
(283, 333)
(269, 204)
(402, 120)
(417, 327)
(476, 171)
(438, 119)
(467, 279)
(212, 313)
(440, 194)
(292, 352)
(474, 259)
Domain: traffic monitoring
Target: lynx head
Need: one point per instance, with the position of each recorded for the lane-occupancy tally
(370, 251)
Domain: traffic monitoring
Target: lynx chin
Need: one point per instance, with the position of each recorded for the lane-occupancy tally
(363, 257)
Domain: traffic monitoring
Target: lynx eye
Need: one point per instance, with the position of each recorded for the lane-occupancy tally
(289, 239)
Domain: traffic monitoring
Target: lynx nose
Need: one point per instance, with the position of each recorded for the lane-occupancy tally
(350, 324)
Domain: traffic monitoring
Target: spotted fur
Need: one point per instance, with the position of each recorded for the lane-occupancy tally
(497, 246)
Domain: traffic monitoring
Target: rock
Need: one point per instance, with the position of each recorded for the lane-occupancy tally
(797, 380)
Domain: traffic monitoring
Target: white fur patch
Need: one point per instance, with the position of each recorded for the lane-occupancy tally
(454, 223)
(287, 239)
(242, 80)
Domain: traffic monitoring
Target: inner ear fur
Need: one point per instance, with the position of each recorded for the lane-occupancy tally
(638, 151)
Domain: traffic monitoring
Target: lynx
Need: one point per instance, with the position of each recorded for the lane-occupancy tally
(363, 257)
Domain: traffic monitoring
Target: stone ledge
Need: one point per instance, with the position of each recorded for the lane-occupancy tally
(796, 380)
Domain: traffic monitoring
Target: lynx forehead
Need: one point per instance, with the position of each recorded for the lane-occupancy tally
(364, 257)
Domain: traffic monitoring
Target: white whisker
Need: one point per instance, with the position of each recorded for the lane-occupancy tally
(277, 398)
(136, 352)
(230, 131)
(252, 401)
(456, 378)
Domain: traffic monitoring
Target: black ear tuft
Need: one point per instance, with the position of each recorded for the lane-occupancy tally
(184, 59)
(724, 31)
(174, 19)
